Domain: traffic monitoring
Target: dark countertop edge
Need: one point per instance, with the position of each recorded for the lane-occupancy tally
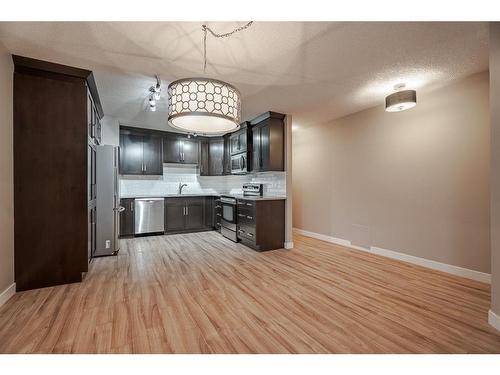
(237, 196)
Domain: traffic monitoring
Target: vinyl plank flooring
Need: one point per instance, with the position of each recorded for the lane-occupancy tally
(201, 293)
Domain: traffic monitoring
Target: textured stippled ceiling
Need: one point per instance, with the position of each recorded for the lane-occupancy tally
(315, 71)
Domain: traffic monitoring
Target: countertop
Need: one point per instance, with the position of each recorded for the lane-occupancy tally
(237, 196)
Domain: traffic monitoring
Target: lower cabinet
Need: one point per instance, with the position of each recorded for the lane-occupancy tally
(127, 217)
(187, 214)
(261, 223)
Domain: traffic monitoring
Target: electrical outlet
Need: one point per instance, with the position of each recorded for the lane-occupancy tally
(108, 244)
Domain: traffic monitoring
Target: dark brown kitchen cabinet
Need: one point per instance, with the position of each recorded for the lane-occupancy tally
(195, 213)
(212, 157)
(93, 121)
(204, 158)
(268, 137)
(261, 223)
(127, 217)
(172, 149)
(92, 232)
(140, 154)
(239, 141)
(180, 149)
(186, 214)
(216, 157)
(227, 155)
(54, 188)
(152, 158)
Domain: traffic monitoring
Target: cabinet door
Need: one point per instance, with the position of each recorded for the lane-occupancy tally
(172, 149)
(216, 157)
(91, 172)
(98, 128)
(256, 138)
(227, 155)
(190, 151)
(91, 232)
(195, 213)
(175, 218)
(265, 148)
(131, 154)
(234, 141)
(204, 158)
(152, 157)
(127, 217)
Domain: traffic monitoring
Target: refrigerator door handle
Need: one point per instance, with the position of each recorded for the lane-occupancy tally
(119, 209)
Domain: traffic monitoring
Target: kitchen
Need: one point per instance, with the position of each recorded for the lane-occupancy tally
(155, 214)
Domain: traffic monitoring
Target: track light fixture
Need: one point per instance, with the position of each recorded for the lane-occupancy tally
(154, 94)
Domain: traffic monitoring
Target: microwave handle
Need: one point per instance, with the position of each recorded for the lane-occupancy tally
(242, 162)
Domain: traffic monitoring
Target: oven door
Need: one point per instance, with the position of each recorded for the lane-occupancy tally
(228, 215)
(239, 164)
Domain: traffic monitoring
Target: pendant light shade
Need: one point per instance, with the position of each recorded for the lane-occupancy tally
(401, 100)
(203, 106)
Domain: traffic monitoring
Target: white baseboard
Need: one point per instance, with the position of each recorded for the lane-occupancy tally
(448, 268)
(494, 320)
(288, 245)
(7, 293)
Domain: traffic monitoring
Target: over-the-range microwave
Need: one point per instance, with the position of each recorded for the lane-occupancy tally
(239, 163)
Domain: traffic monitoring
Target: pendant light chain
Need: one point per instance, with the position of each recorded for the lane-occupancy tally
(205, 28)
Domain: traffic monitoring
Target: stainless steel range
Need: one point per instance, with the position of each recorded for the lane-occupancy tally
(228, 221)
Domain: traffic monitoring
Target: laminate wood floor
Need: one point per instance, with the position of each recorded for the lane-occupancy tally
(200, 293)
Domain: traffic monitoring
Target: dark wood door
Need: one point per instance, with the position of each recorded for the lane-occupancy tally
(175, 218)
(195, 215)
(91, 172)
(204, 158)
(152, 158)
(127, 217)
(265, 148)
(216, 157)
(190, 151)
(172, 149)
(256, 138)
(92, 237)
(131, 154)
(227, 155)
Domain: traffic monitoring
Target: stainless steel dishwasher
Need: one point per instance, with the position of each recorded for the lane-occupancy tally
(149, 215)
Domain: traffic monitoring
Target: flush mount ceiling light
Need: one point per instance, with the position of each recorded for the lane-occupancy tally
(205, 105)
(401, 100)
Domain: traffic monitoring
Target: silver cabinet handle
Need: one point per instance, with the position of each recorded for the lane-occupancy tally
(218, 214)
(249, 204)
(145, 167)
(249, 234)
(187, 210)
(119, 209)
(250, 217)
(241, 215)
(132, 206)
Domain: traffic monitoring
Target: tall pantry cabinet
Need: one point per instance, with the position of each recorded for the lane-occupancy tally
(57, 115)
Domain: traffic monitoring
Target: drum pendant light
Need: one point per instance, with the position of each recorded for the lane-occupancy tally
(205, 105)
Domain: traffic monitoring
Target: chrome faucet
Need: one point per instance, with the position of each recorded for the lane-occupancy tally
(180, 187)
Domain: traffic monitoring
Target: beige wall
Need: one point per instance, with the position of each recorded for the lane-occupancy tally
(415, 182)
(495, 165)
(6, 170)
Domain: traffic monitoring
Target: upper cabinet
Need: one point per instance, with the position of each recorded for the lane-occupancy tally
(268, 136)
(180, 149)
(140, 154)
(93, 121)
(239, 141)
(212, 157)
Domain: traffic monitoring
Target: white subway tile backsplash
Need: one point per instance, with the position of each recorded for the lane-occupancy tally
(274, 182)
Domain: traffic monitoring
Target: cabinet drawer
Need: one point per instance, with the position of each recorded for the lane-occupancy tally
(242, 234)
(246, 216)
(245, 203)
(247, 230)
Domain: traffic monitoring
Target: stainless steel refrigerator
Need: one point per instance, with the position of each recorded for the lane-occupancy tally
(108, 201)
